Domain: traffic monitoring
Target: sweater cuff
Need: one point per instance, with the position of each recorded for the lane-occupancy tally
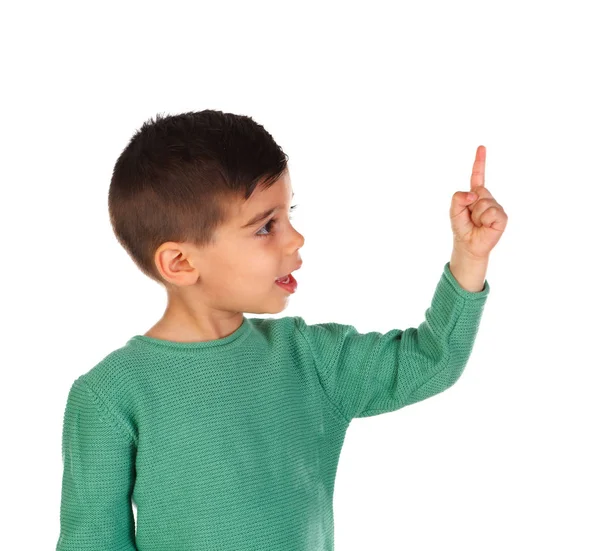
(463, 292)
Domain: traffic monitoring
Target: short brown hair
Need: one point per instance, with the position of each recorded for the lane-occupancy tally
(177, 174)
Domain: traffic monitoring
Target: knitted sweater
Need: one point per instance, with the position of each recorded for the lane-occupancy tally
(233, 444)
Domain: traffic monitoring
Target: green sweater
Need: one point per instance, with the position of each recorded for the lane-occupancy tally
(233, 444)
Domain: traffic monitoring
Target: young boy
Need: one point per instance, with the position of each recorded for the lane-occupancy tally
(225, 430)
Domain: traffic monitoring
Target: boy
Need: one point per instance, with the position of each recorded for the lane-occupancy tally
(225, 430)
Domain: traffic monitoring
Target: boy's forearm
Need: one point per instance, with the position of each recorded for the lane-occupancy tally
(468, 271)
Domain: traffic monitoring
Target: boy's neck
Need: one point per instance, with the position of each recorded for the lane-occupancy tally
(186, 331)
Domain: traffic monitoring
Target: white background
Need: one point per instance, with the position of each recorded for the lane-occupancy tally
(380, 107)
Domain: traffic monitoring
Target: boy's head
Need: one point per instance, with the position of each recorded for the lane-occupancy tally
(182, 196)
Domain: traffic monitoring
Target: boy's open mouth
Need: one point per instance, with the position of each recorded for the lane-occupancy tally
(288, 283)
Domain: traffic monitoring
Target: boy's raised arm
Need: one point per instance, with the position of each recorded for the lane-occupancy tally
(372, 373)
(98, 477)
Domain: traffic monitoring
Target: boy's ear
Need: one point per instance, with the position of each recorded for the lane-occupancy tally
(174, 263)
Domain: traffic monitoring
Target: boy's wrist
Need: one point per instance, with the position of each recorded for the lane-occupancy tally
(468, 271)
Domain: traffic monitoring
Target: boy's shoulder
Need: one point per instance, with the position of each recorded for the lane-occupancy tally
(269, 325)
(288, 330)
(111, 385)
(115, 378)
(114, 364)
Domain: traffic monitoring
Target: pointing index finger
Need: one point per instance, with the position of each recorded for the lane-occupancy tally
(478, 175)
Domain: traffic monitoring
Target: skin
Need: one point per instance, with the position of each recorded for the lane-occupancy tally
(209, 288)
(477, 225)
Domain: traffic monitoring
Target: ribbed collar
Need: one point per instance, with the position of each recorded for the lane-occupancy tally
(234, 337)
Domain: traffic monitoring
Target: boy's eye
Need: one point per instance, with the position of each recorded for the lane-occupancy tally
(268, 225)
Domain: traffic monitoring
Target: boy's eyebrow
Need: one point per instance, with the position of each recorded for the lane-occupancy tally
(262, 216)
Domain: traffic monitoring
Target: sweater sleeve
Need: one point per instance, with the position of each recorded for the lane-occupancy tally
(372, 373)
(98, 476)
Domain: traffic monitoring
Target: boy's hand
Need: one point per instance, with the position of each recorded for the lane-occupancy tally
(477, 223)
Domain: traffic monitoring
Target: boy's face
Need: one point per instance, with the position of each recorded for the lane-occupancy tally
(238, 272)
